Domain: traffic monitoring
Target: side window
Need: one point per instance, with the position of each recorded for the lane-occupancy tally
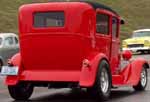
(16, 40)
(102, 24)
(114, 27)
(8, 41)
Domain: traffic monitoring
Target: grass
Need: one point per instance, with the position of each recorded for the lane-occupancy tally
(135, 12)
(9, 14)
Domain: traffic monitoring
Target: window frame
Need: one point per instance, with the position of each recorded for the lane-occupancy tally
(117, 28)
(16, 38)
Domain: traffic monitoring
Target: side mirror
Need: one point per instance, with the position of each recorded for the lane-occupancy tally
(122, 21)
(127, 55)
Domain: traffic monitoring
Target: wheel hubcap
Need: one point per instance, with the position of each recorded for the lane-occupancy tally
(143, 77)
(104, 80)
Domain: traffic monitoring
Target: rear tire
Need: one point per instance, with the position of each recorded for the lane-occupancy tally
(21, 91)
(102, 86)
(143, 80)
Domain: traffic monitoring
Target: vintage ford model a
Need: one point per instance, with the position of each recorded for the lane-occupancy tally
(71, 44)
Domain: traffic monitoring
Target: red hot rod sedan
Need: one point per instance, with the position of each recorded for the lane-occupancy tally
(71, 44)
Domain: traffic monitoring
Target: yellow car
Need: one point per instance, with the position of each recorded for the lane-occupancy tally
(140, 41)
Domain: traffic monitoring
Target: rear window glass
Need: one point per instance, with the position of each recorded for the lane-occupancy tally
(49, 19)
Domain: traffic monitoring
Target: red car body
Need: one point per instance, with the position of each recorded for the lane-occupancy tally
(70, 53)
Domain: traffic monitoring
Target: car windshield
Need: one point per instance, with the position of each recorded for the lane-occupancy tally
(141, 34)
(0, 41)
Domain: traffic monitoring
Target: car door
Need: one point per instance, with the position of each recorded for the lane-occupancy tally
(103, 37)
(115, 47)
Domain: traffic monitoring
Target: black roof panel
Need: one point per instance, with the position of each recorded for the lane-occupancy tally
(96, 5)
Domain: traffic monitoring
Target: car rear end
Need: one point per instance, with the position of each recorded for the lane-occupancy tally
(51, 41)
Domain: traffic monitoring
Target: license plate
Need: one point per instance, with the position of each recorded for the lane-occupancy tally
(8, 70)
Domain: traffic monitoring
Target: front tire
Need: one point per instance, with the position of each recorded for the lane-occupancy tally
(102, 86)
(143, 80)
(21, 91)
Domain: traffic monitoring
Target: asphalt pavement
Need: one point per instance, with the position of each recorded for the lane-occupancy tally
(123, 94)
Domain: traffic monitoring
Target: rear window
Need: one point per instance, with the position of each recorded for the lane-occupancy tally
(49, 19)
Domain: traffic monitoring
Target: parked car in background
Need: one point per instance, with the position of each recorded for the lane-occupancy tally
(8, 46)
(140, 41)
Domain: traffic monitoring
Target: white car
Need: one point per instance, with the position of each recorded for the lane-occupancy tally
(9, 45)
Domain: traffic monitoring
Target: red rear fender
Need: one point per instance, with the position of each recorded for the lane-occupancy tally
(15, 61)
(88, 74)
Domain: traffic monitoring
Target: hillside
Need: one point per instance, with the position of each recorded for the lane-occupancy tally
(135, 12)
(8, 14)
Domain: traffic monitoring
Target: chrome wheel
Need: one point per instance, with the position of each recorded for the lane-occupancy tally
(143, 77)
(143, 80)
(104, 81)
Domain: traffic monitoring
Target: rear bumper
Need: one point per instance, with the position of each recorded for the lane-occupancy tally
(44, 76)
(84, 76)
(65, 76)
(137, 49)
